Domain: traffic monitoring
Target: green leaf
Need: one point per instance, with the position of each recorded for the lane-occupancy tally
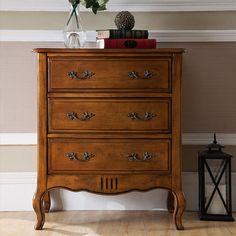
(105, 2)
(74, 1)
(89, 3)
(83, 2)
(102, 8)
(95, 7)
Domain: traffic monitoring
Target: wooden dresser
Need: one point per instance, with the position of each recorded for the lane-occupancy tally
(109, 123)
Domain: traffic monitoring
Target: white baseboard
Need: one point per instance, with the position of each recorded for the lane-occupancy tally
(18, 138)
(17, 189)
(187, 138)
(207, 138)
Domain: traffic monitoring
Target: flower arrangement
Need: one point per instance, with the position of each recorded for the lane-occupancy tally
(95, 5)
(74, 36)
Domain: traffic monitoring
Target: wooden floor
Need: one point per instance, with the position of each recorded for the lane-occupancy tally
(112, 223)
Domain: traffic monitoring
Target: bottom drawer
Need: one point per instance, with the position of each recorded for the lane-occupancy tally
(70, 155)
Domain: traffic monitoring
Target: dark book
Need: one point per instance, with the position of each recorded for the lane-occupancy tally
(126, 43)
(116, 34)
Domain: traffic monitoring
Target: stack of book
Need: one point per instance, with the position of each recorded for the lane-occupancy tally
(116, 38)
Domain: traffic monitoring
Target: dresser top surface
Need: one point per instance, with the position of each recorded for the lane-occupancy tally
(96, 50)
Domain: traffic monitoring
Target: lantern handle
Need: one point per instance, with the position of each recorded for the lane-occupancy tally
(212, 147)
(215, 141)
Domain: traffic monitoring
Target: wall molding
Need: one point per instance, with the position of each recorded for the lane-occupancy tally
(24, 184)
(159, 35)
(187, 138)
(18, 139)
(119, 5)
(194, 35)
(18, 178)
(20, 184)
(206, 138)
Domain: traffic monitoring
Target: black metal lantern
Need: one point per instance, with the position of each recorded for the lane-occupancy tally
(214, 169)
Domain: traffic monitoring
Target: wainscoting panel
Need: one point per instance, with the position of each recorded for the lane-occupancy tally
(17, 189)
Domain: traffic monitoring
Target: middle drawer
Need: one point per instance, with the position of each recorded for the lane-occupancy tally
(109, 115)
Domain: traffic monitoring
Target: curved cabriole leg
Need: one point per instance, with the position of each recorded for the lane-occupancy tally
(47, 202)
(179, 209)
(170, 202)
(38, 208)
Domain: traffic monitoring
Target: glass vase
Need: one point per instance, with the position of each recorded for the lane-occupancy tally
(74, 36)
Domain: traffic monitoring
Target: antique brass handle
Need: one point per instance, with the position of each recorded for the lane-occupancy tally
(147, 116)
(85, 75)
(86, 156)
(135, 75)
(85, 116)
(134, 156)
(72, 74)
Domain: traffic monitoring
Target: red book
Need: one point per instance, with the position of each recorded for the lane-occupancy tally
(126, 43)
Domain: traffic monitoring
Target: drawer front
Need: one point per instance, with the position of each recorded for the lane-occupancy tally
(80, 115)
(68, 155)
(76, 74)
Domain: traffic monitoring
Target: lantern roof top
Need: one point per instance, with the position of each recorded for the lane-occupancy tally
(215, 146)
(215, 150)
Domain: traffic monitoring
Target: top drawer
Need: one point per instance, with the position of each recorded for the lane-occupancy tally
(74, 74)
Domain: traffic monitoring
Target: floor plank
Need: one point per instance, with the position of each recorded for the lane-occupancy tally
(112, 223)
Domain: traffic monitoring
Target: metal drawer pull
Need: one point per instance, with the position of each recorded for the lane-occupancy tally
(85, 116)
(72, 74)
(86, 156)
(146, 75)
(134, 156)
(147, 116)
(85, 75)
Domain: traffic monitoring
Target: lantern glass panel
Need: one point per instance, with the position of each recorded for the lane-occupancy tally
(215, 171)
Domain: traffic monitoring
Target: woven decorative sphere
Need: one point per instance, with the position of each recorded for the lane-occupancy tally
(124, 20)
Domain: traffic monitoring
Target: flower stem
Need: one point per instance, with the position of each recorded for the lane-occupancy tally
(72, 13)
(77, 22)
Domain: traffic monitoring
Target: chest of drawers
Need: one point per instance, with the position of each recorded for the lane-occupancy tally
(109, 122)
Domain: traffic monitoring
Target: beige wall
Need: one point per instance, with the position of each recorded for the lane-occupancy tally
(208, 87)
(208, 77)
(18, 158)
(105, 20)
(23, 158)
(208, 95)
(18, 90)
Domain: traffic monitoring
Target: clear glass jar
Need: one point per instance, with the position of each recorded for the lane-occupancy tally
(74, 36)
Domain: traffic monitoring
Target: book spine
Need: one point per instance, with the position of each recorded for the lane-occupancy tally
(136, 34)
(116, 34)
(130, 43)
